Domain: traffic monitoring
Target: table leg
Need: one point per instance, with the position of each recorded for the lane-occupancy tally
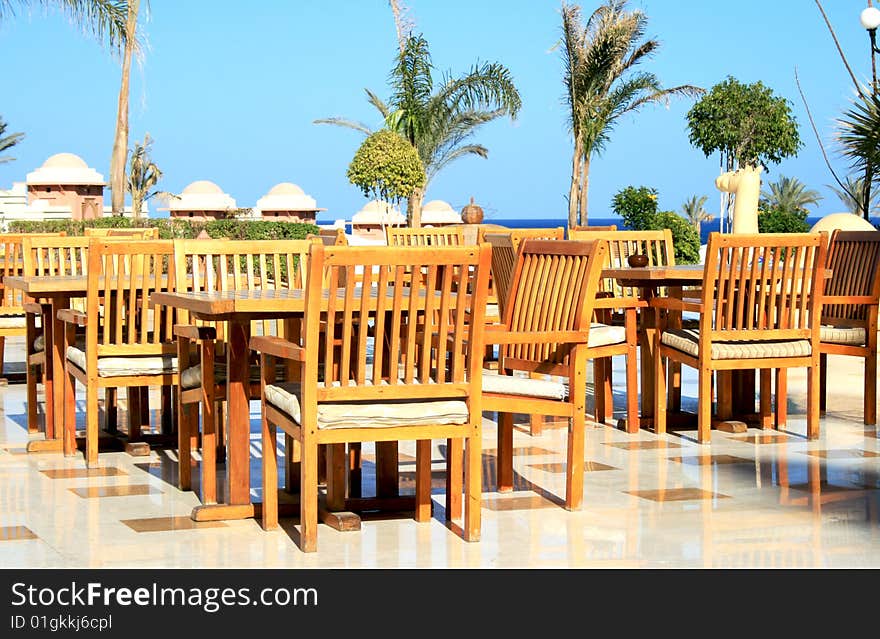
(238, 413)
(53, 331)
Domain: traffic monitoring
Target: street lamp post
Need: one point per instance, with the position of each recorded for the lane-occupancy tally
(870, 19)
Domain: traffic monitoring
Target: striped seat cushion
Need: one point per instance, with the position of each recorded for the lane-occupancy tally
(192, 376)
(854, 336)
(688, 340)
(285, 397)
(12, 321)
(125, 366)
(605, 335)
(523, 386)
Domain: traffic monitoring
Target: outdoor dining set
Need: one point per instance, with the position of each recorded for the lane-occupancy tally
(417, 340)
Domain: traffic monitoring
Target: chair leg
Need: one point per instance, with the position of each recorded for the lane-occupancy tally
(574, 475)
(187, 423)
(473, 479)
(765, 406)
(209, 443)
(270, 477)
(111, 423)
(813, 401)
(454, 478)
(871, 389)
(291, 465)
(704, 418)
(632, 389)
(2, 354)
(32, 374)
(781, 398)
(823, 381)
(91, 426)
(69, 423)
(423, 480)
(504, 458)
(308, 500)
(355, 471)
(659, 395)
(599, 397)
(536, 422)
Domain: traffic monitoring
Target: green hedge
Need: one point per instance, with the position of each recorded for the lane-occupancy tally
(176, 228)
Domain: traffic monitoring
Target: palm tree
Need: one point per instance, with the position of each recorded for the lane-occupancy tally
(695, 212)
(853, 196)
(439, 120)
(8, 141)
(602, 84)
(143, 174)
(120, 140)
(105, 18)
(789, 194)
(859, 138)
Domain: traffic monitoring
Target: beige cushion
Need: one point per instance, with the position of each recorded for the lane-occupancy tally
(523, 386)
(367, 414)
(125, 366)
(687, 341)
(12, 321)
(842, 335)
(192, 376)
(605, 335)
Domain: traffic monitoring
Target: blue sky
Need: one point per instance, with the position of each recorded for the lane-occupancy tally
(229, 91)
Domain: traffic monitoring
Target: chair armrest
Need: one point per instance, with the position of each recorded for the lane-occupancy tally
(848, 299)
(195, 333)
(495, 336)
(277, 346)
(619, 302)
(36, 308)
(675, 304)
(73, 316)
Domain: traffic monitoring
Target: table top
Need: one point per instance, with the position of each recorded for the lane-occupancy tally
(678, 275)
(43, 286)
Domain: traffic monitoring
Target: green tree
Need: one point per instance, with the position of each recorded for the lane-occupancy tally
(603, 84)
(852, 196)
(859, 139)
(776, 220)
(104, 18)
(439, 120)
(386, 167)
(636, 206)
(143, 175)
(8, 141)
(788, 194)
(694, 211)
(746, 123)
(685, 238)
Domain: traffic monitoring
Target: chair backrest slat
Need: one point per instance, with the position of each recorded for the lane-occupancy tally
(425, 236)
(854, 261)
(12, 263)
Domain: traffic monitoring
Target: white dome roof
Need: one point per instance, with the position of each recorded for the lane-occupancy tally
(202, 195)
(378, 212)
(65, 169)
(286, 196)
(439, 212)
(843, 221)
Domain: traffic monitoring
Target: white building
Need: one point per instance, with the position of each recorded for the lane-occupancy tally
(370, 222)
(289, 202)
(439, 213)
(202, 200)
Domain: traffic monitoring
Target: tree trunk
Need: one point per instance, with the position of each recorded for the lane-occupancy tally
(585, 188)
(414, 209)
(574, 190)
(120, 142)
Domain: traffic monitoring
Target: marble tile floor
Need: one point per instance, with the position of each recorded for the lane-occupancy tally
(748, 500)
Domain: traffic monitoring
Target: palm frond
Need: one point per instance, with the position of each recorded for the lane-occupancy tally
(349, 124)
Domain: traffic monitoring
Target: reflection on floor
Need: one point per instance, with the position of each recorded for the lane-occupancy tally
(754, 499)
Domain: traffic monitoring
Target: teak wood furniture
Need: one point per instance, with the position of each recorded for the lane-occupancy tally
(424, 385)
(760, 309)
(548, 328)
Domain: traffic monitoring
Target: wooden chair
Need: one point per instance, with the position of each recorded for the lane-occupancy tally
(143, 233)
(46, 256)
(425, 236)
(760, 309)
(587, 227)
(548, 328)
(221, 265)
(128, 343)
(618, 300)
(429, 390)
(12, 314)
(849, 316)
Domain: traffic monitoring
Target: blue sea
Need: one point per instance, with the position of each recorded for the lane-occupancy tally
(552, 222)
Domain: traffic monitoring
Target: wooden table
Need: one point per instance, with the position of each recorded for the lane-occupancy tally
(649, 279)
(239, 309)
